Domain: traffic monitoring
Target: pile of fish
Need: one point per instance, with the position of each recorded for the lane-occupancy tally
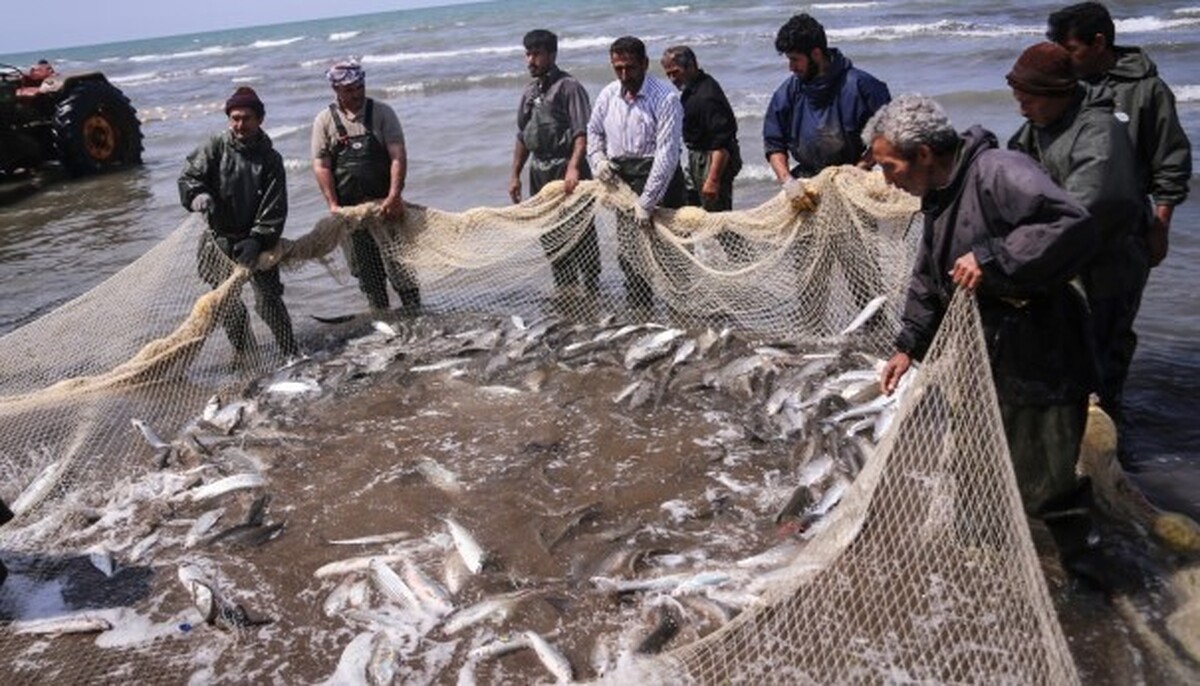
(203, 503)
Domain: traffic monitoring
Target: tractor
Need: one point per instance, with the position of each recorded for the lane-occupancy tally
(81, 121)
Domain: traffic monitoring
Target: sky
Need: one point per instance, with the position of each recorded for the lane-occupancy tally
(72, 23)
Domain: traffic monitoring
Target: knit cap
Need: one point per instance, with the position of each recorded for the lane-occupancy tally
(245, 96)
(1043, 69)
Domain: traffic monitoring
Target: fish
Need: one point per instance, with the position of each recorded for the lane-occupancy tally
(142, 547)
(201, 526)
(392, 586)
(699, 581)
(162, 449)
(438, 476)
(772, 557)
(225, 418)
(384, 328)
(381, 665)
(376, 539)
(555, 662)
(867, 312)
(455, 572)
(438, 366)
(200, 589)
(496, 609)
(296, 387)
(432, 595)
(518, 323)
(669, 620)
(501, 646)
(39, 488)
(662, 583)
(651, 347)
(339, 598)
(102, 559)
(354, 564)
(82, 623)
(352, 665)
(469, 550)
(228, 484)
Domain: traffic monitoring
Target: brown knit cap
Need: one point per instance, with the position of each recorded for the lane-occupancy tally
(1043, 69)
(245, 96)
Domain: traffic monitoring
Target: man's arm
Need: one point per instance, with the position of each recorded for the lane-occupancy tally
(717, 159)
(520, 155)
(596, 139)
(393, 204)
(776, 132)
(579, 109)
(323, 172)
(571, 177)
(1170, 168)
(272, 205)
(193, 180)
(668, 140)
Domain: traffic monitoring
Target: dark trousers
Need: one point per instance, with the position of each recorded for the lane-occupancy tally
(1116, 341)
(574, 257)
(697, 171)
(635, 171)
(214, 265)
(373, 274)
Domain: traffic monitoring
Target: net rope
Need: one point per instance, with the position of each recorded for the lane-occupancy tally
(924, 571)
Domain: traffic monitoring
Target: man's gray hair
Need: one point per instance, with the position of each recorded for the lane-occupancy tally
(681, 56)
(910, 121)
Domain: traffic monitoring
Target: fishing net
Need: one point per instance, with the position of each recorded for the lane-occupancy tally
(923, 572)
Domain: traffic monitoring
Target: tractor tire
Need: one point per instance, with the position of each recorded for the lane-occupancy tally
(96, 129)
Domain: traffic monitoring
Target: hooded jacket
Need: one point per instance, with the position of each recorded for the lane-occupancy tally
(1030, 238)
(820, 122)
(1146, 103)
(248, 185)
(1089, 153)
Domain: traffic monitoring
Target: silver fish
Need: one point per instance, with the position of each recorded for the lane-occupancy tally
(201, 527)
(39, 488)
(142, 547)
(229, 484)
(102, 559)
(433, 597)
(339, 598)
(377, 539)
(491, 609)
(651, 347)
(555, 662)
(499, 647)
(354, 564)
(161, 448)
(297, 387)
(392, 586)
(468, 548)
(384, 328)
(381, 666)
(438, 366)
(863, 316)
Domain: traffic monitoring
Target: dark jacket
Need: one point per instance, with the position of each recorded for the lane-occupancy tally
(1088, 152)
(708, 119)
(820, 123)
(1030, 238)
(1147, 104)
(248, 185)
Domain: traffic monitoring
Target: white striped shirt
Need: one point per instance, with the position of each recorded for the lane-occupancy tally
(649, 126)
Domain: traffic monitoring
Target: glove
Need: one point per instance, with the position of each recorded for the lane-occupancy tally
(606, 172)
(802, 196)
(245, 252)
(201, 203)
(641, 215)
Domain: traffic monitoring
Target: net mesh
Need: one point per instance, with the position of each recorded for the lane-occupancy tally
(923, 572)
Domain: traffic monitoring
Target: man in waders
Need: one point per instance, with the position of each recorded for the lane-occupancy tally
(359, 156)
(552, 129)
(238, 182)
(635, 135)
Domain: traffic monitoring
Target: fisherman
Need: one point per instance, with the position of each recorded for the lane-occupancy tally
(710, 134)
(1072, 132)
(818, 113)
(359, 156)
(552, 120)
(996, 224)
(238, 181)
(1164, 154)
(635, 136)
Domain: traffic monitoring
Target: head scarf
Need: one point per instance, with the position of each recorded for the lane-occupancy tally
(348, 73)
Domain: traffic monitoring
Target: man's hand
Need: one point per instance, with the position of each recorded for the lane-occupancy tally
(1157, 239)
(711, 189)
(802, 196)
(642, 216)
(570, 179)
(392, 207)
(514, 189)
(245, 252)
(895, 368)
(606, 172)
(201, 203)
(966, 272)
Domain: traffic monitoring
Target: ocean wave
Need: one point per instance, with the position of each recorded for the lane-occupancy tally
(676, 9)
(440, 54)
(1188, 11)
(225, 70)
(296, 164)
(1189, 93)
(343, 35)
(277, 42)
(585, 43)
(136, 79)
(455, 84)
(756, 172)
(202, 52)
(945, 27)
(1151, 24)
(245, 79)
(277, 132)
(830, 6)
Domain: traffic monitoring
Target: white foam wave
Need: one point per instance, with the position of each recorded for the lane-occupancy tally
(277, 132)
(945, 27)
(211, 50)
(343, 35)
(245, 79)
(831, 6)
(440, 54)
(225, 70)
(757, 172)
(676, 9)
(1189, 93)
(276, 43)
(1188, 11)
(133, 79)
(1151, 24)
(584, 43)
(296, 164)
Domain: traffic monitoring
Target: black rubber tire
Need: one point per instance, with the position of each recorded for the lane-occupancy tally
(96, 129)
